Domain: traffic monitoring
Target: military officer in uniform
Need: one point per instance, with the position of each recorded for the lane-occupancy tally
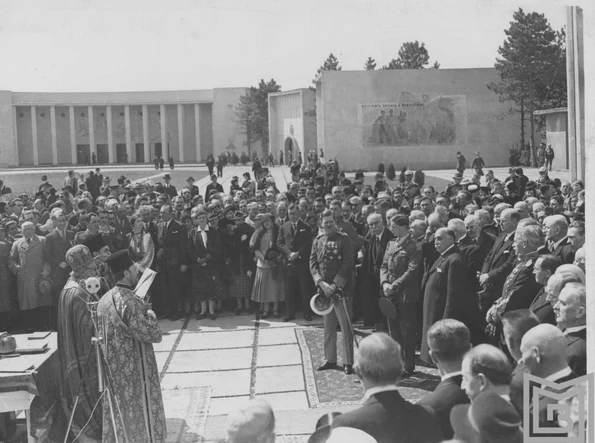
(332, 267)
(520, 287)
(398, 277)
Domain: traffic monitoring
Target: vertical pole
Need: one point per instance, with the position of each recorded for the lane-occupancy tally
(34, 135)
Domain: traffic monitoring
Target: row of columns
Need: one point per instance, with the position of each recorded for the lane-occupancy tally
(110, 135)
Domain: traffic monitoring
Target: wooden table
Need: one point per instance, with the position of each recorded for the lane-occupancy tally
(18, 389)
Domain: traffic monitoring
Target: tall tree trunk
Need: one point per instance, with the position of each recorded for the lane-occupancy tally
(532, 126)
(522, 123)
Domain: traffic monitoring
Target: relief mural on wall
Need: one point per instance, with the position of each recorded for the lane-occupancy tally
(413, 121)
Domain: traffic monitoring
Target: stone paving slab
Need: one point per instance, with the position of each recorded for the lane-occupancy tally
(286, 401)
(161, 358)
(167, 342)
(279, 379)
(215, 360)
(186, 413)
(222, 383)
(276, 336)
(281, 355)
(171, 327)
(225, 405)
(217, 340)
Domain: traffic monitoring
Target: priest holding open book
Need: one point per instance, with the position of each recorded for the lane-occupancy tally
(129, 328)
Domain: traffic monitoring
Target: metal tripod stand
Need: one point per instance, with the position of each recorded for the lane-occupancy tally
(103, 375)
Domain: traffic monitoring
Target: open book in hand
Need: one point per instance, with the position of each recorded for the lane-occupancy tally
(144, 283)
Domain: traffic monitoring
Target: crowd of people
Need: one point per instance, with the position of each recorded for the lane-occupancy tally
(482, 276)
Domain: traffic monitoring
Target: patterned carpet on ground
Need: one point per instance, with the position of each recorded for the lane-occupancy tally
(334, 387)
(186, 413)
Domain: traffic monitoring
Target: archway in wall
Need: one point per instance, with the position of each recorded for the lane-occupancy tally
(291, 146)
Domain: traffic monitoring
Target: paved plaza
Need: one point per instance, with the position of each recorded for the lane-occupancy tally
(207, 367)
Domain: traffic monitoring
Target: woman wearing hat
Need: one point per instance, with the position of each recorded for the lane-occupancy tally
(268, 283)
(241, 263)
(204, 252)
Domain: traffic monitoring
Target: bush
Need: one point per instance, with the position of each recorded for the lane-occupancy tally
(244, 158)
(419, 177)
(381, 167)
(234, 159)
(514, 157)
(390, 172)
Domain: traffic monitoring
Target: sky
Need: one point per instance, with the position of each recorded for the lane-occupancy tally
(136, 45)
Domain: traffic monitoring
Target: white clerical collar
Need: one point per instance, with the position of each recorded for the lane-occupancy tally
(509, 235)
(555, 245)
(558, 375)
(450, 375)
(506, 397)
(574, 329)
(377, 390)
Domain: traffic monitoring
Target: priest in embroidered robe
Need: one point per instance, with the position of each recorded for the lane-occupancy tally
(75, 348)
(129, 329)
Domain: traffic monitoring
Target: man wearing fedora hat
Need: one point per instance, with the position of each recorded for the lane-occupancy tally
(193, 188)
(168, 188)
(213, 186)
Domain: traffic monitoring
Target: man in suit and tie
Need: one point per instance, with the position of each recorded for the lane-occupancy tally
(555, 228)
(515, 325)
(282, 216)
(193, 188)
(444, 287)
(295, 243)
(545, 266)
(571, 315)
(369, 274)
(91, 222)
(168, 188)
(448, 341)
(122, 224)
(385, 415)
(172, 260)
(57, 243)
(398, 280)
(520, 287)
(500, 260)
(213, 186)
(544, 352)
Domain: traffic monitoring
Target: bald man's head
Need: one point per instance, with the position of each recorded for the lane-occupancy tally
(544, 350)
(378, 360)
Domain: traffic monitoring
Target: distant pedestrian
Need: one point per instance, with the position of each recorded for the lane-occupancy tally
(220, 163)
(210, 163)
(257, 168)
(171, 163)
(156, 163)
(478, 164)
(281, 158)
(161, 163)
(549, 157)
(461, 162)
(271, 159)
(94, 158)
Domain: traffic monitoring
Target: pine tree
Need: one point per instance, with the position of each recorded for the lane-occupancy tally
(412, 55)
(532, 70)
(370, 64)
(252, 113)
(330, 64)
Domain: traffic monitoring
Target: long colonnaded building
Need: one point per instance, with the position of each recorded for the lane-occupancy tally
(119, 127)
